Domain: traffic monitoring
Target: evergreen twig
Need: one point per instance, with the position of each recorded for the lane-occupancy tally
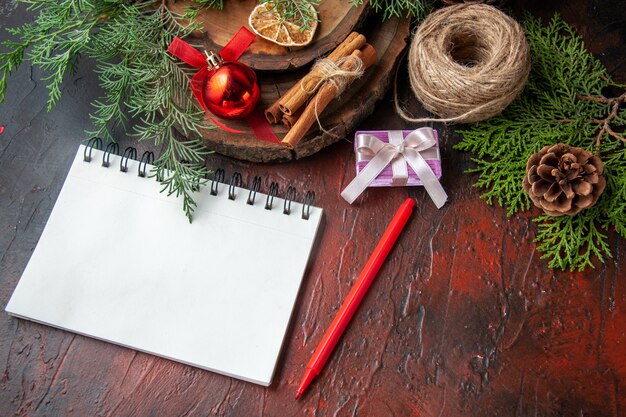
(562, 102)
(154, 90)
(141, 82)
(213, 4)
(146, 93)
(417, 9)
(296, 11)
(61, 31)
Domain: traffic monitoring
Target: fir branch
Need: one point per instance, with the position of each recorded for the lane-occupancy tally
(141, 82)
(181, 169)
(296, 11)
(10, 61)
(213, 4)
(571, 242)
(152, 88)
(109, 110)
(192, 11)
(60, 32)
(614, 115)
(417, 9)
(562, 102)
(494, 177)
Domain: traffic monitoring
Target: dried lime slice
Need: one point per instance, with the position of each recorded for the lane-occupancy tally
(267, 22)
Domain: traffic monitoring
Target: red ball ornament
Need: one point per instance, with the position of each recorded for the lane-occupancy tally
(230, 88)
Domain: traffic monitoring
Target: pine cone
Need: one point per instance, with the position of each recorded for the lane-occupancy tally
(563, 179)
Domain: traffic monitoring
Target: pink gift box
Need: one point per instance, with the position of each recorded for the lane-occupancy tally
(384, 179)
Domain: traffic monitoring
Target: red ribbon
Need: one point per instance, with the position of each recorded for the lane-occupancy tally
(235, 47)
(230, 52)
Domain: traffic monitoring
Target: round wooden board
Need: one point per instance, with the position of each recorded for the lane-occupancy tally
(337, 19)
(339, 119)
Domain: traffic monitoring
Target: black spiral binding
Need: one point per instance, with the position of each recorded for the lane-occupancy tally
(309, 199)
(235, 181)
(111, 148)
(290, 195)
(218, 176)
(129, 153)
(256, 185)
(270, 195)
(146, 158)
(91, 143)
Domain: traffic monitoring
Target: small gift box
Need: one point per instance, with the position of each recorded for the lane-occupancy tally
(385, 178)
(397, 158)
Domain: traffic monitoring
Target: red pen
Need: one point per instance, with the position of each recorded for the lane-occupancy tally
(356, 294)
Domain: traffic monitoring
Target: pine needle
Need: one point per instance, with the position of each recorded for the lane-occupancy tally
(563, 102)
(141, 82)
(417, 9)
(297, 11)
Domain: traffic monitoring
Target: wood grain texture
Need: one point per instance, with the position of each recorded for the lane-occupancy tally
(464, 319)
(342, 115)
(337, 19)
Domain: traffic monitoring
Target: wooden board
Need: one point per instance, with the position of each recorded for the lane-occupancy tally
(337, 20)
(339, 119)
(464, 319)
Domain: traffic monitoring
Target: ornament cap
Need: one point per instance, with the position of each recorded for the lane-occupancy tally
(212, 59)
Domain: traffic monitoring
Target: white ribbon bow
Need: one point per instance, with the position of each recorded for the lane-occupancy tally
(399, 152)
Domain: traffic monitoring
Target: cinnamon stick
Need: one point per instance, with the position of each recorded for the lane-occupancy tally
(273, 113)
(300, 92)
(324, 96)
(286, 104)
(290, 119)
(342, 51)
(344, 48)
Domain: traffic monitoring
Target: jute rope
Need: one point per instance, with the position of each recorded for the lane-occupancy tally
(467, 63)
(340, 78)
(331, 71)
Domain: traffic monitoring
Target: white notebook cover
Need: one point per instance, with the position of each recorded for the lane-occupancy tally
(119, 261)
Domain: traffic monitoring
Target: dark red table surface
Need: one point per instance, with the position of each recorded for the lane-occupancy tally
(464, 319)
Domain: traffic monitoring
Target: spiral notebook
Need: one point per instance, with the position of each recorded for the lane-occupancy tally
(120, 262)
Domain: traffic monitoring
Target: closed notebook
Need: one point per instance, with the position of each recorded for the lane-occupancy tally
(119, 261)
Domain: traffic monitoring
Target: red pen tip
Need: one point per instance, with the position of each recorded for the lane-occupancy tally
(309, 374)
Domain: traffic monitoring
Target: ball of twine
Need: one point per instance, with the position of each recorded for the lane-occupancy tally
(467, 63)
